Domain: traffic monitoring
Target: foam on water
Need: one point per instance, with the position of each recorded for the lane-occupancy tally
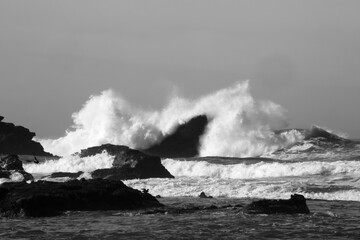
(240, 125)
(259, 170)
(72, 163)
(237, 188)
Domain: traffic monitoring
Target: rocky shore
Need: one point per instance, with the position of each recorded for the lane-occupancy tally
(19, 140)
(43, 199)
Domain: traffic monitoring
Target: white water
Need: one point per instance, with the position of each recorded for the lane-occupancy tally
(71, 164)
(241, 125)
(332, 180)
(260, 170)
(280, 188)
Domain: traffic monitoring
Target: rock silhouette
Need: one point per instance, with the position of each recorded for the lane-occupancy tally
(184, 142)
(42, 199)
(296, 204)
(128, 163)
(18, 140)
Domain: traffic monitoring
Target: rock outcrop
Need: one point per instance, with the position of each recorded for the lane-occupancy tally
(18, 140)
(296, 204)
(12, 165)
(184, 142)
(41, 199)
(128, 163)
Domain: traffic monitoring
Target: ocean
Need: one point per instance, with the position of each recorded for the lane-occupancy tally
(241, 159)
(325, 168)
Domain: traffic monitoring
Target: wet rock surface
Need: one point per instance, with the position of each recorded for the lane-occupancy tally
(42, 199)
(128, 163)
(296, 204)
(12, 165)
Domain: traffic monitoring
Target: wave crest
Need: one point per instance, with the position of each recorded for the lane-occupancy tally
(240, 126)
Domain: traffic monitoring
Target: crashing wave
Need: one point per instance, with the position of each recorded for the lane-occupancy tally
(240, 125)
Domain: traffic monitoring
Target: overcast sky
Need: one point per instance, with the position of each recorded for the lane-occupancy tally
(303, 55)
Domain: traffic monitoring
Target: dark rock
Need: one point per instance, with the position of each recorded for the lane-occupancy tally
(203, 195)
(41, 199)
(66, 174)
(184, 142)
(158, 196)
(296, 204)
(128, 163)
(11, 164)
(4, 173)
(18, 140)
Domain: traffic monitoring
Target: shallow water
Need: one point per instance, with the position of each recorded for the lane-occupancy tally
(328, 220)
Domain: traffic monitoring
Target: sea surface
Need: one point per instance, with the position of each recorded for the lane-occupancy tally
(328, 220)
(323, 167)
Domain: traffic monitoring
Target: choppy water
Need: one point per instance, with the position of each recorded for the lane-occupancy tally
(328, 220)
(324, 167)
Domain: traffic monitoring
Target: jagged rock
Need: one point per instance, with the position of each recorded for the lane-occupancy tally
(128, 163)
(11, 164)
(203, 195)
(41, 199)
(183, 142)
(296, 204)
(18, 140)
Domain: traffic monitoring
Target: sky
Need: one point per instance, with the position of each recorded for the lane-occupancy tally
(301, 54)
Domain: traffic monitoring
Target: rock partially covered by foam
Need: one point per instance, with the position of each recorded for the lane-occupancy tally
(296, 204)
(18, 140)
(11, 165)
(128, 163)
(183, 142)
(41, 199)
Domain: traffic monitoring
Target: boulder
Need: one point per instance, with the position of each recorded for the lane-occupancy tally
(18, 140)
(183, 142)
(296, 204)
(128, 163)
(42, 199)
(11, 164)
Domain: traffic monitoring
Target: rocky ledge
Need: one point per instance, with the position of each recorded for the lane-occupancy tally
(296, 204)
(42, 199)
(128, 163)
(11, 166)
(18, 140)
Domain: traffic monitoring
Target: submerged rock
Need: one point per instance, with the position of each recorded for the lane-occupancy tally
(296, 204)
(11, 165)
(41, 199)
(203, 195)
(128, 163)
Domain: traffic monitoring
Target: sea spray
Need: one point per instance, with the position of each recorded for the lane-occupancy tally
(240, 125)
(260, 169)
(72, 163)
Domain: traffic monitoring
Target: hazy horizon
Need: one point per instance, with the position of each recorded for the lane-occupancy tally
(302, 55)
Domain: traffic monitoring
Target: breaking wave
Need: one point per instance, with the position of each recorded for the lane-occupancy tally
(260, 169)
(73, 163)
(240, 126)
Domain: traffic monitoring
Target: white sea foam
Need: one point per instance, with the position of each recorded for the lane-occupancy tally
(72, 164)
(14, 177)
(236, 188)
(240, 126)
(259, 170)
